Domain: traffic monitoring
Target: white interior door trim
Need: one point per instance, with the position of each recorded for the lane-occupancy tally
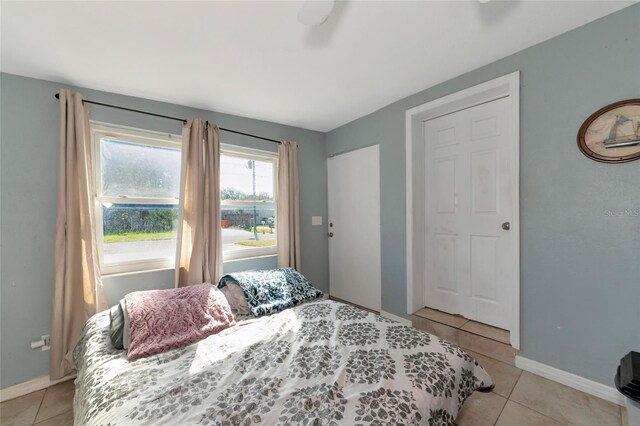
(505, 86)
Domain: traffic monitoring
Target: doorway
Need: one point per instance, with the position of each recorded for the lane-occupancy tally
(463, 205)
(354, 227)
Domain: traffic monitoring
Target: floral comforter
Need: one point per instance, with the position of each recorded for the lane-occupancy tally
(272, 290)
(321, 362)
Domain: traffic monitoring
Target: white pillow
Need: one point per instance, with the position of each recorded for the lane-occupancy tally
(235, 297)
(125, 331)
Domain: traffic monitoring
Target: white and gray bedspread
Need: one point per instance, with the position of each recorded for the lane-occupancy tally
(322, 362)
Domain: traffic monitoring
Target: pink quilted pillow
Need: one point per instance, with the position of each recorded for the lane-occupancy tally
(160, 320)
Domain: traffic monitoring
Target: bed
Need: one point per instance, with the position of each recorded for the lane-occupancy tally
(321, 362)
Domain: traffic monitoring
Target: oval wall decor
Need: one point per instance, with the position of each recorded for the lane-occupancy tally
(612, 134)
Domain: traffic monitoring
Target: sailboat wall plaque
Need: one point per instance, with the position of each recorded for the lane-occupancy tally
(612, 134)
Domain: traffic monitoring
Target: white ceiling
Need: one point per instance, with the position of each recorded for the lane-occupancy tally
(256, 60)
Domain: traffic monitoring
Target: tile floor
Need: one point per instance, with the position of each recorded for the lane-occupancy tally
(518, 399)
(48, 407)
(481, 338)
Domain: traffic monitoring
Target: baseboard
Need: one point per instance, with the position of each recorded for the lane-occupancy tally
(383, 314)
(390, 316)
(608, 393)
(32, 385)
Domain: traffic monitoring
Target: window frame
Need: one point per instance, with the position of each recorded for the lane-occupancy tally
(257, 155)
(138, 137)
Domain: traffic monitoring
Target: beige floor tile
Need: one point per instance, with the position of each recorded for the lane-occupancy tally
(516, 414)
(480, 409)
(22, 410)
(564, 403)
(441, 330)
(456, 321)
(487, 331)
(57, 400)
(64, 419)
(487, 347)
(504, 376)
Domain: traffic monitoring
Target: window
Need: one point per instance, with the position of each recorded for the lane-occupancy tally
(137, 188)
(137, 185)
(248, 202)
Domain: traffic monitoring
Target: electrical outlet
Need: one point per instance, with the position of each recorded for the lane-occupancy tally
(43, 343)
(47, 342)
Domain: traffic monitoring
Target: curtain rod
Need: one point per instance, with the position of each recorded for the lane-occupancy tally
(168, 117)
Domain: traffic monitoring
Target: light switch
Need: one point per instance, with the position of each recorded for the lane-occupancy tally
(316, 220)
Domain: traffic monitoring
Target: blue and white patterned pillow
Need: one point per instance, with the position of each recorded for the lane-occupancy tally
(272, 290)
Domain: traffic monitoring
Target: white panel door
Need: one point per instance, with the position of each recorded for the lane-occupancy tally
(354, 223)
(470, 200)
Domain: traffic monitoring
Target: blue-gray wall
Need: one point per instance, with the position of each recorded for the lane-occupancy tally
(29, 170)
(580, 267)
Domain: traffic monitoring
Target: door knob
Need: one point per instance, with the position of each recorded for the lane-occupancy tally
(506, 226)
(330, 234)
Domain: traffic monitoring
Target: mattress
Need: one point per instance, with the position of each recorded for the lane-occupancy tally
(321, 362)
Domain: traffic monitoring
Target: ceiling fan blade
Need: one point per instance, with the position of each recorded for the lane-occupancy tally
(315, 12)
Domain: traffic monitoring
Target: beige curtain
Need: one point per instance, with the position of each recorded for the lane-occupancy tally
(199, 251)
(77, 292)
(288, 214)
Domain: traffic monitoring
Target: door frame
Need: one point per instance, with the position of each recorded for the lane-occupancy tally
(507, 86)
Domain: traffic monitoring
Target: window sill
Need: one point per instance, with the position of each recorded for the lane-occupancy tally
(242, 259)
(146, 271)
(141, 271)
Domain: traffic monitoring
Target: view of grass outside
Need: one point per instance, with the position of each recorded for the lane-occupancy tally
(168, 235)
(138, 236)
(259, 243)
(245, 181)
(139, 232)
(263, 229)
(266, 237)
(138, 223)
(238, 228)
